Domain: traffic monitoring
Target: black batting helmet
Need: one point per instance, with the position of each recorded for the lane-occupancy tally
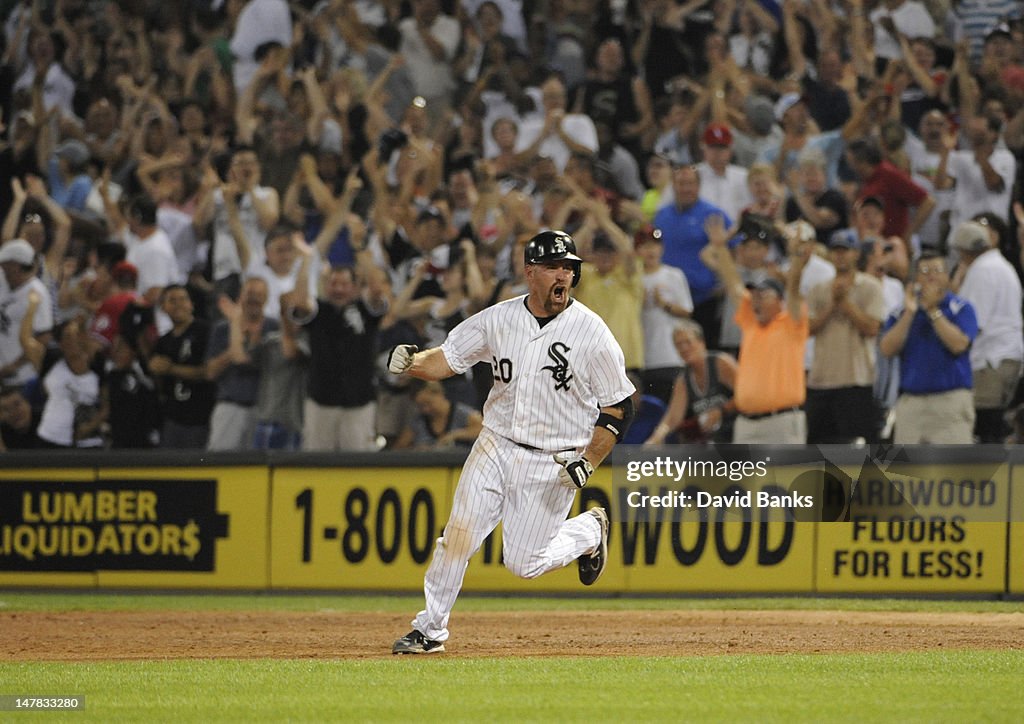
(553, 245)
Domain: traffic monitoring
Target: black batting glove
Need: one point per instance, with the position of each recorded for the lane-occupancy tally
(575, 472)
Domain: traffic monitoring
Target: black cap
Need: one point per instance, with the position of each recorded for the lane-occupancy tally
(873, 201)
(843, 239)
(430, 213)
(998, 29)
(768, 283)
(756, 227)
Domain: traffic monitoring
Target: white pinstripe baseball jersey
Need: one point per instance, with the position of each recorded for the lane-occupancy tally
(548, 381)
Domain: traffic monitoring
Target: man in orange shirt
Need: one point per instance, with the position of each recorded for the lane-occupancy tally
(770, 387)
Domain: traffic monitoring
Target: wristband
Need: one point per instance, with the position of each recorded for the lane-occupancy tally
(935, 314)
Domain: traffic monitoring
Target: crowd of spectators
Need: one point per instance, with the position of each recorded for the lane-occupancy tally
(219, 215)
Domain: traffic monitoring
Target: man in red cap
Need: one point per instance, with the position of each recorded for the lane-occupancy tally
(722, 183)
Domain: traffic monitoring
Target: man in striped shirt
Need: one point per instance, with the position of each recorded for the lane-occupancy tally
(560, 401)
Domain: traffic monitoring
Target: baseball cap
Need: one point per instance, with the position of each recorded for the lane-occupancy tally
(970, 236)
(19, 251)
(872, 201)
(659, 156)
(73, 151)
(786, 102)
(998, 29)
(768, 284)
(717, 134)
(430, 213)
(759, 114)
(843, 239)
(125, 271)
(812, 156)
(756, 227)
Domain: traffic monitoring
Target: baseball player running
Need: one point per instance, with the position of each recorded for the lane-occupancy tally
(560, 401)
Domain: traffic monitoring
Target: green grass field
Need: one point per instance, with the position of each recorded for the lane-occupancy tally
(936, 686)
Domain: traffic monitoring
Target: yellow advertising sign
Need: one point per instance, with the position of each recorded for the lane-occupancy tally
(355, 528)
(903, 528)
(919, 528)
(720, 534)
(1016, 536)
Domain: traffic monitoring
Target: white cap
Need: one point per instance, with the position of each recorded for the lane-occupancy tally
(800, 231)
(784, 103)
(19, 251)
(971, 237)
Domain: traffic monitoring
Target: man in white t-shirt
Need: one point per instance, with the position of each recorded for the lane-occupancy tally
(282, 267)
(149, 250)
(924, 151)
(981, 178)
(260, 22)
(722, 183)
(666, 300)
(58, 86)
(182, 235)
(18, 261)
(429, 41)
(899, 17)
(993, 288)
(557, 134)
(258, 209)
(817, 271)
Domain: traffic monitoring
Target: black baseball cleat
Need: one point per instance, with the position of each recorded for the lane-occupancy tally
(416, 643)
(592, 566)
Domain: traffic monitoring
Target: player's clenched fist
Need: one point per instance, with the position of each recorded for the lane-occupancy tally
(400, 358)
(574, 473)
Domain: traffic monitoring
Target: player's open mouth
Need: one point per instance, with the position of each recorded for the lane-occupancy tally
(559, 293)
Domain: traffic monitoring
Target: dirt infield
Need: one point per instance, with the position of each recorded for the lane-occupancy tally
(105, 636)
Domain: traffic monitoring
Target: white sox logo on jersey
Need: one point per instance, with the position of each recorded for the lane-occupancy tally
(560, 369)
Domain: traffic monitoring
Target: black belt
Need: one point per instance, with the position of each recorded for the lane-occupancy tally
(936, 392)
(773, 413)
(531, 448)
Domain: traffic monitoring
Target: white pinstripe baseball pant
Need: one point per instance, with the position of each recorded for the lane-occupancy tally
(503, 482)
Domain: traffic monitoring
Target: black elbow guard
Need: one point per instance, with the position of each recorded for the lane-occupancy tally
(614, 425)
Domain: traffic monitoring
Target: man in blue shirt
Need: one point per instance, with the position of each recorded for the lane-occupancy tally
(932, 335)
(682, 231)
(70, 185)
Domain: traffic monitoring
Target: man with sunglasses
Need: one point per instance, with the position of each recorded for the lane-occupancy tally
(932, 336)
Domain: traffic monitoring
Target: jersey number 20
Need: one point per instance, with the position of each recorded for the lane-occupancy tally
(502, 369)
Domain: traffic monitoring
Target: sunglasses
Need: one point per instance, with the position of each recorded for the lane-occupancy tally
(32, 219)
